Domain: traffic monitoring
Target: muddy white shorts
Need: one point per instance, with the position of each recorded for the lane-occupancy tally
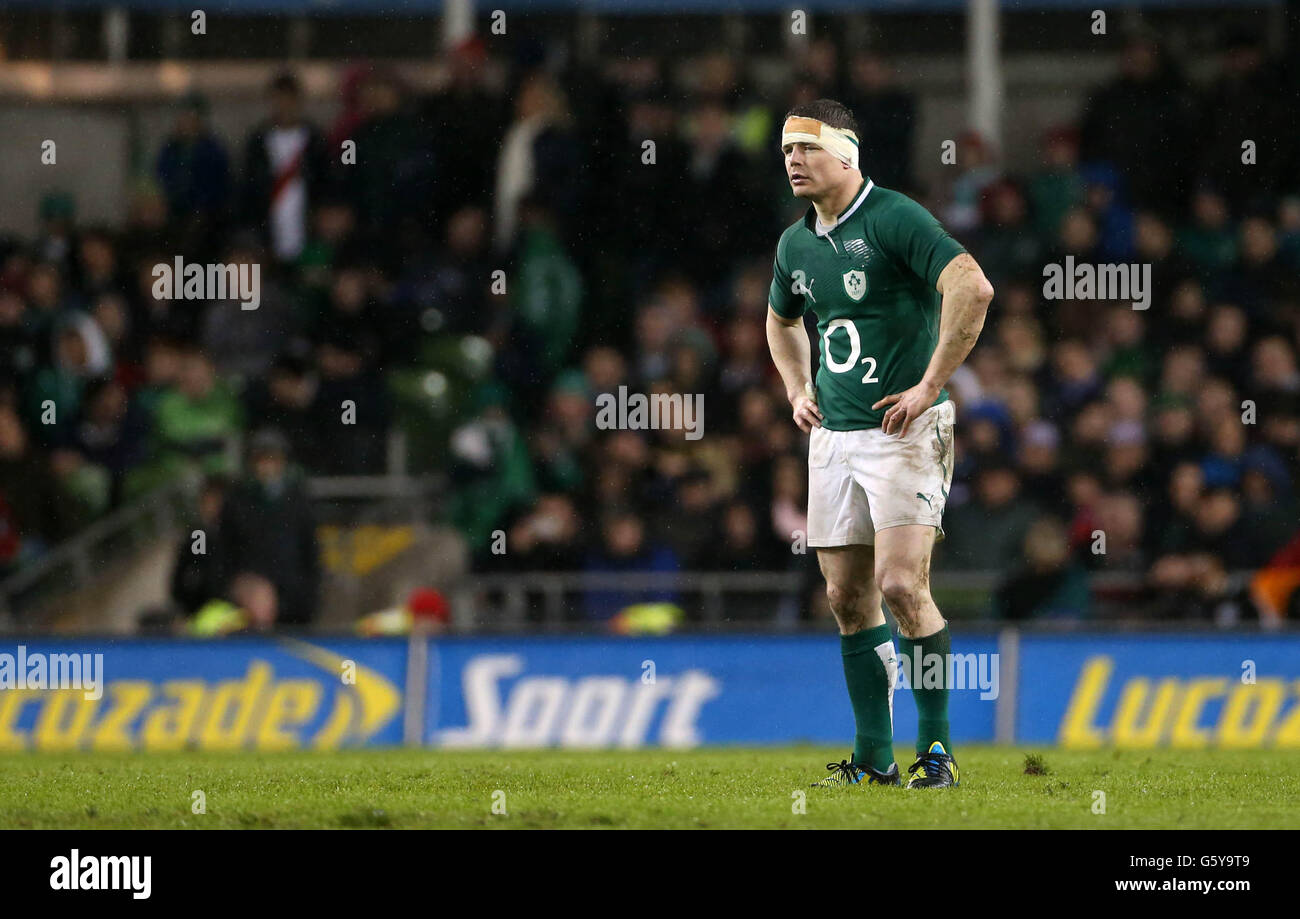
(863, 481)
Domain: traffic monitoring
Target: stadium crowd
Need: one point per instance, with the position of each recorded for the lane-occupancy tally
(1162, 444)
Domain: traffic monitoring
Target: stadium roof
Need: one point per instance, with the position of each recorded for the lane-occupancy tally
(611, 7)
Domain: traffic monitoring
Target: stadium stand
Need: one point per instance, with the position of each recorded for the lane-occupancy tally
(378, 291)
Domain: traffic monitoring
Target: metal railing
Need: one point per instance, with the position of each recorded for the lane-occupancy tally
(73, 563)
(721, 600)
(542, 600)
(554, 598)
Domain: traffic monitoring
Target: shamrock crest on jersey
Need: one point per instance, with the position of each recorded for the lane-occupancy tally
(855, 284)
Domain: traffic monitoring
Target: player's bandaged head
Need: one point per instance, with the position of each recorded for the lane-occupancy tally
(838, 142)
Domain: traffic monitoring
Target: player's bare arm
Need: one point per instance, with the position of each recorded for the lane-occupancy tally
(966, 296)
(791, 353)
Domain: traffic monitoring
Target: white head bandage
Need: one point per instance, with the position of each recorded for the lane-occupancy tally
(838, 142)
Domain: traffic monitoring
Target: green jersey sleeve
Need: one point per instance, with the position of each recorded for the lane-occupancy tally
(781, 296)
(914, 237)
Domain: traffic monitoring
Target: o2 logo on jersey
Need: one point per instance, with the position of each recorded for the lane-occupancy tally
(855, 284)
(855, 358)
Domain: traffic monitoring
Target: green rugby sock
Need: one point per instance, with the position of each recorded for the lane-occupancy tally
(871, 690)
(931, 701)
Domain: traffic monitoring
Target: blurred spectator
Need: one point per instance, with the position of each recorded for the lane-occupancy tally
(287, 400)
(448, 291)
(719, 186)
(560, 442)
(97, 269)
(112, 431)
(200, 576)
(480, 118)
(424, 609)
(648, 207)
(285, 168)
(35, 512)
(1207, 239)
(1260, 276)
(1038, 463)
(491, 472)
(243, 342)
(1153, 242)
(196, 418)
(351, 410)
(1117, 541)
(623, 547)
(392, 180)
(1275, 589)
(888, 114)
(741, 544)
(548, 287)
(268, 529)
(252, 607)
(540, 157)
(1141, 124)
(54, 244)
(977, 171)
(1198, 586)
(989, 531)
(194, 172)
(1050, 584)
(1058, 187)
(1243, 102)
(688, 525)
(547, 538)
(1008, 246)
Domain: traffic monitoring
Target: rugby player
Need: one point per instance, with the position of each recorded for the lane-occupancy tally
(899, 304)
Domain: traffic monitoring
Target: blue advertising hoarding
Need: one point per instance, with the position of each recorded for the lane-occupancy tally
(677, 691)
(1083, 691)
(241, 693)
(1145, 690)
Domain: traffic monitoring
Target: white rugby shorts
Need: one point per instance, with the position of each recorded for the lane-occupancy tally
(863, 481)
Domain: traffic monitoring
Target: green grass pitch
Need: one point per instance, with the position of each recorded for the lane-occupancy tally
(713, 788)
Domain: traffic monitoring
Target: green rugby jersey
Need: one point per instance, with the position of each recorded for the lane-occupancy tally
(870, 281)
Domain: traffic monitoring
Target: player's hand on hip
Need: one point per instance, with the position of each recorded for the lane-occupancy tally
(806, 413)
(906, 407)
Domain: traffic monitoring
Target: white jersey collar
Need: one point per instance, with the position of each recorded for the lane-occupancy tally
(821, 230)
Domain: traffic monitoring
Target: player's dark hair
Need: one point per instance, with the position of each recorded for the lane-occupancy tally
(827, 111)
